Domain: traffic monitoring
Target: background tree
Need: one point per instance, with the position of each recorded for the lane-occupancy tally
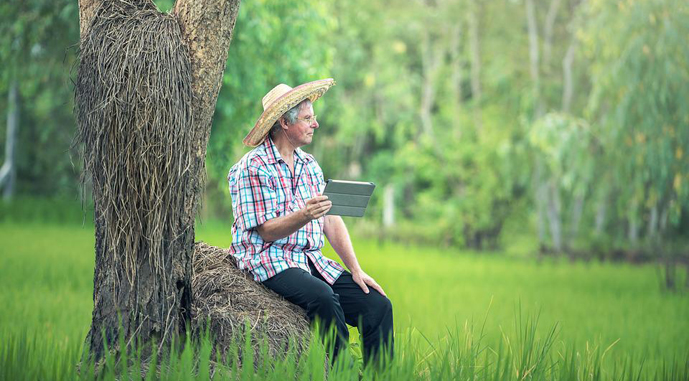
(34, 77)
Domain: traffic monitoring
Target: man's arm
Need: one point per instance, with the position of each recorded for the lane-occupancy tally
(338, 236)
(281, 227)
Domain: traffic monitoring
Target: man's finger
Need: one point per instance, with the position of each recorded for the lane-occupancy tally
(317, 199)
(363, 286)
(378, 288)
(324, 206)
(323, 209)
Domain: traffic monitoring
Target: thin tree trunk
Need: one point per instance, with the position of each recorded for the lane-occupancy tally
(456, 57)
(652, 227)
(154, 306)
(662, 224)
(555, 216)
(534, 58)
(548, 32)
(568, 83)
(601, 211)
(474, 47)
(430, 63)
(8, 171)
(633, 227)
(577, 211)
(541, 202)
(389, 206)
(567, 64)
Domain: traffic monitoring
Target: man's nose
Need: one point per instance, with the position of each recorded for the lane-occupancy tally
(315, 125)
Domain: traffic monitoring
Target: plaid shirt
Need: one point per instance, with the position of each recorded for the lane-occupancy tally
(262, 187)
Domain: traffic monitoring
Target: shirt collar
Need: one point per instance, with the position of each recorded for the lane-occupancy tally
(273, 155)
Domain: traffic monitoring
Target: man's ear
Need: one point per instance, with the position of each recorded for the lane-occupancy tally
(283, 123)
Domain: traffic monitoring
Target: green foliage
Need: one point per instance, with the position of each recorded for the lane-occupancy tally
(406, 112)
(638, 106)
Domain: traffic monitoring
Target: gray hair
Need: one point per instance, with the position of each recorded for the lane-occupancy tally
(290, 116)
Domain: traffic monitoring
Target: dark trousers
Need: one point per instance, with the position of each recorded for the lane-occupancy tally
(340, 304)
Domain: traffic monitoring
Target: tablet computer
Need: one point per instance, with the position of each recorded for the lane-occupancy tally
(349, 198)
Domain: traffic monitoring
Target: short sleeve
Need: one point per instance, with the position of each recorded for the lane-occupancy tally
(256, 198)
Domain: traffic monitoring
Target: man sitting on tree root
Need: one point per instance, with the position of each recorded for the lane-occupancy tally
(280, 219)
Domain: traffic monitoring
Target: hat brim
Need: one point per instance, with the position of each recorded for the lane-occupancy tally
(310, 90)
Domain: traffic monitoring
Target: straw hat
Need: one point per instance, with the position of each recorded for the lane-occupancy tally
(279, 100)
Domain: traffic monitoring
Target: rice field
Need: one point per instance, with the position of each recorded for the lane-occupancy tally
(458, 315)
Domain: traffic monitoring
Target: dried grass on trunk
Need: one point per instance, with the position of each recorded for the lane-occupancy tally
(134, 113)
(133, 109)
(230, 298)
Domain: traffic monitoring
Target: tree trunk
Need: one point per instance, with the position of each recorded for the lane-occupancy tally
(474, 46)
(541, 200)
(601, 211)
(534, 59)
(548, 33)
(389, 206)
(652, 227)
(8, 171)
(151, 291)
(456, 57)
(633, 224)
(429, 62)
(577, 211)
(568, 83)
(555, 215)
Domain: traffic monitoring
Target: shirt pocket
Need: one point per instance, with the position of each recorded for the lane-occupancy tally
(312, 187)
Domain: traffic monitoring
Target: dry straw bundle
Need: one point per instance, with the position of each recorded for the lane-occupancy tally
(134, 115)
(231, 298)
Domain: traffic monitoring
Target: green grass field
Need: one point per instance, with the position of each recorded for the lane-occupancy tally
(46, 277)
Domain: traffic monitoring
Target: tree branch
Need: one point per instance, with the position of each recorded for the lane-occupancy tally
(207, 27)
(87, 10)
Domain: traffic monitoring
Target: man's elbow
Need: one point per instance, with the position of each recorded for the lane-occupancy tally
(265, 235)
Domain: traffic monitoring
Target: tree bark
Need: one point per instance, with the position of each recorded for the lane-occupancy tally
(153, 306)
(87, 10)
(8, 171)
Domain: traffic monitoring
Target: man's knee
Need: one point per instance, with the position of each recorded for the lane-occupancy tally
(384, 308)
(380, 314)
(323, 298)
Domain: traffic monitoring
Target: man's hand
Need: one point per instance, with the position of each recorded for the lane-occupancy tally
(317, 207)
(364, 280)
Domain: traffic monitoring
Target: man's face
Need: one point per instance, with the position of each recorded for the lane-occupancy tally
(301, 132)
